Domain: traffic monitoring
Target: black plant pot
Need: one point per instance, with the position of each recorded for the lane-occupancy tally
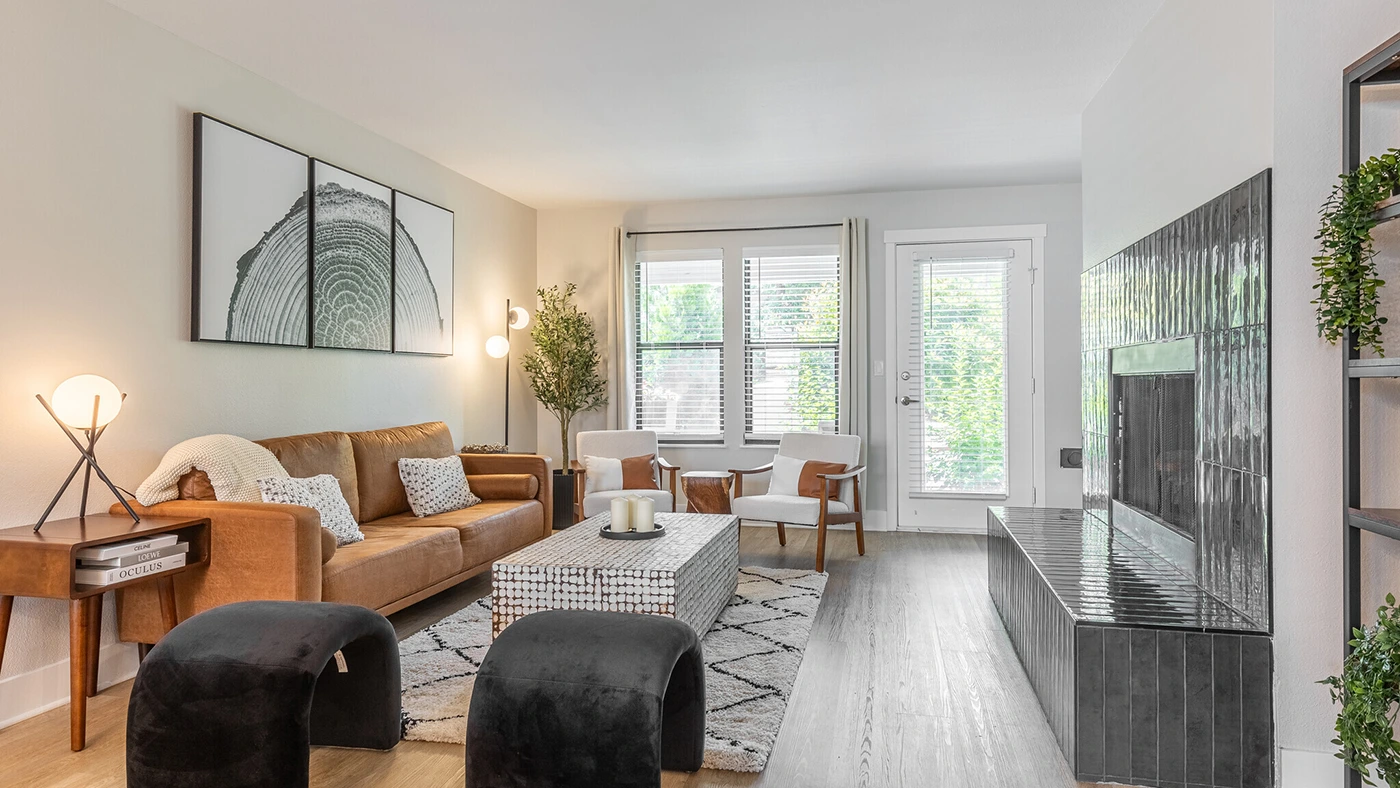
(563, 499)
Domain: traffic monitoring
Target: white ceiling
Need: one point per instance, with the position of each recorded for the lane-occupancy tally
(583, 101)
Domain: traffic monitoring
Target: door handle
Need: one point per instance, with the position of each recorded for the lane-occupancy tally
(907, 400)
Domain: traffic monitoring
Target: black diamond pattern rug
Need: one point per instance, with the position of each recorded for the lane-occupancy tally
(752, 654)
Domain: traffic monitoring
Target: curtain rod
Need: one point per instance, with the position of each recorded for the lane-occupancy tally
(631, 233)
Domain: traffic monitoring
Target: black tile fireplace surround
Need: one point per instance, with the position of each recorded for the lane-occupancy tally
(1143, 619)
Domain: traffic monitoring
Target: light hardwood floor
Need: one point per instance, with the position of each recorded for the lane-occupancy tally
(908, 680)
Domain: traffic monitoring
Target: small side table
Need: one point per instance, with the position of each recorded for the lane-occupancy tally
(42, 565)
(707, 492)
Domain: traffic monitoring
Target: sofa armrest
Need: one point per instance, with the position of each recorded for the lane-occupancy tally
(256, 551)
(484, 464)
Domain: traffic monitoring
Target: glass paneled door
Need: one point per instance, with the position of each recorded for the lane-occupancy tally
(963, 382)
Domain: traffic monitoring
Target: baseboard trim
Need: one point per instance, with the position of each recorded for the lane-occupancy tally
(33, 693)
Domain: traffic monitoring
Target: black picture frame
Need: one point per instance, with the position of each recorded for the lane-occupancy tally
(418, 226)
(228, 254)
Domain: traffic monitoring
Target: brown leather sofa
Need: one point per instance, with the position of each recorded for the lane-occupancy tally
(277, 551)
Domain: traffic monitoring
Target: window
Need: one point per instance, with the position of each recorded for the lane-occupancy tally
(679, 363)
(961, 326)
(792, 342)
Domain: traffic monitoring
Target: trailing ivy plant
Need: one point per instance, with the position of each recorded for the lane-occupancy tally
(1369, 691)
(1347, 284)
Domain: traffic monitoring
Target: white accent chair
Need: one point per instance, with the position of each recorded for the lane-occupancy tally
(800, 510)
(619, 444)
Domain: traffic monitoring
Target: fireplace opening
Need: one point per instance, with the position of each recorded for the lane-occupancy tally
(1156, 447)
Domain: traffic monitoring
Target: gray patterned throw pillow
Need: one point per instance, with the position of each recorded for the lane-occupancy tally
(321, 493)
(435, 486)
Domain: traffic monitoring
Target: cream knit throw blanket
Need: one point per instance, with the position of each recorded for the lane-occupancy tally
(233, 465)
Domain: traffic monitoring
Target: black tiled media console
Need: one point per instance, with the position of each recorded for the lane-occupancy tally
(1143, 676)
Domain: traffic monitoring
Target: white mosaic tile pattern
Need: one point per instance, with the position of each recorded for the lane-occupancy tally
(690, 574)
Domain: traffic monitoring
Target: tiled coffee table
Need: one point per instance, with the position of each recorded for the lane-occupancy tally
(690, 574)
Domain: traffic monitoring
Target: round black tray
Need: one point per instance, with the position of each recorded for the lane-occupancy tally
(607, 533)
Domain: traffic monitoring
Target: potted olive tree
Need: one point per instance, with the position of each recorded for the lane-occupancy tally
(563, 371)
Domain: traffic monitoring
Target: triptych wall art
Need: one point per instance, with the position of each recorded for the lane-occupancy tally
(290, 250)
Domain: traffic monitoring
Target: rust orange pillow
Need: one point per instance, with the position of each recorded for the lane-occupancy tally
(195, 486)
(809, 486)
(637, 473)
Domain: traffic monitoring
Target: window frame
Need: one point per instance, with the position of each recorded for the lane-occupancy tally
(699, 255)
(837, 346)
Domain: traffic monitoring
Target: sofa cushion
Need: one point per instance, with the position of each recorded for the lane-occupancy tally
(487, 531)
(504, 486)
(390, 564)
(377, 455)
(784, 508)
(316, 453)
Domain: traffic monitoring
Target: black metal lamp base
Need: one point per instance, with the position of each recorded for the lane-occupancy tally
(87, 463)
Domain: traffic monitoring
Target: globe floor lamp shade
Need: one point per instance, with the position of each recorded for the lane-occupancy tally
(86, 403)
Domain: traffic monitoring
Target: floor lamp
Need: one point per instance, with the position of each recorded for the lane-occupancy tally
(498, 346)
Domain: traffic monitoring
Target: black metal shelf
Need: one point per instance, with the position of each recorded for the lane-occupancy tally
(1380, 66)
(1385, 522)
(1373, 368)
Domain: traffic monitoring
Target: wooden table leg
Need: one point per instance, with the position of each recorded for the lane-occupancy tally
(166, 588)
(7, 603)
(77, 673)
(94, 642)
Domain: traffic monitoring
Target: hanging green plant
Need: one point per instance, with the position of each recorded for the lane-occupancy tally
(1347, 285)
(1369, 691)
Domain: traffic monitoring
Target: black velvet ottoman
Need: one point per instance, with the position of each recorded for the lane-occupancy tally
(237, 695)
(569, 698)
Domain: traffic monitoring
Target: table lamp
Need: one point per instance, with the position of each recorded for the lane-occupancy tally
(498, 346)
(87, 403)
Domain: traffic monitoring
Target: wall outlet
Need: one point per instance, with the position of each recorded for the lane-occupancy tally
(877, 368)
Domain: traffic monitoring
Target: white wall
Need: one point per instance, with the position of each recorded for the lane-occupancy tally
(95, 158)
(1313, 43)
(573, 246)
(1186, 115)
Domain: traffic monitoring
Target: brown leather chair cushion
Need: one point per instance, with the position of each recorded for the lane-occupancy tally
(377, 455)
(390, 564)
(487, 531)
(195, 486)
(809, 486)
(639, 473)
(316, 453)
(504, 486)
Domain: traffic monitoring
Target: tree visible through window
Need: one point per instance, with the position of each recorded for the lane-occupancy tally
(680, 345)
(792, 342)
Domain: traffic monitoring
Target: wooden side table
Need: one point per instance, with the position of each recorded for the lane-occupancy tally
(707, 492)
(42, 565)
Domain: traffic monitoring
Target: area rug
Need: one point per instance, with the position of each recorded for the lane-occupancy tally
(752, 654)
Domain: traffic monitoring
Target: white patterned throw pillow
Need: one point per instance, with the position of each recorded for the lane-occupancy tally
(435, 486)
(321, 493)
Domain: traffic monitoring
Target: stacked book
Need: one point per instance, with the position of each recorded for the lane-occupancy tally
(121, 561)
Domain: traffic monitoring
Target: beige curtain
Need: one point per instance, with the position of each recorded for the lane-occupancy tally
(620, 338)
(855, 333)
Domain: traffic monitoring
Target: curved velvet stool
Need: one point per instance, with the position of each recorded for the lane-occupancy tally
(237, 695)
(569, 698)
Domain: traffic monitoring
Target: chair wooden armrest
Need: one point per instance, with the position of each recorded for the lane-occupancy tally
(836, 477)
(739, 476)
(580, 479)
(671, 472)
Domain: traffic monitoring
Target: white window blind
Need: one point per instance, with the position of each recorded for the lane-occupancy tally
(792, 341)
(680, 344)
(959, 324)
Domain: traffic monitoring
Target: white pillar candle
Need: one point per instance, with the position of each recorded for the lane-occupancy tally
(643, 513)
(621, 519)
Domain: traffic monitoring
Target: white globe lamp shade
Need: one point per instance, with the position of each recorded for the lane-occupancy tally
(496, 347)
(519, 318)
(72, 401)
